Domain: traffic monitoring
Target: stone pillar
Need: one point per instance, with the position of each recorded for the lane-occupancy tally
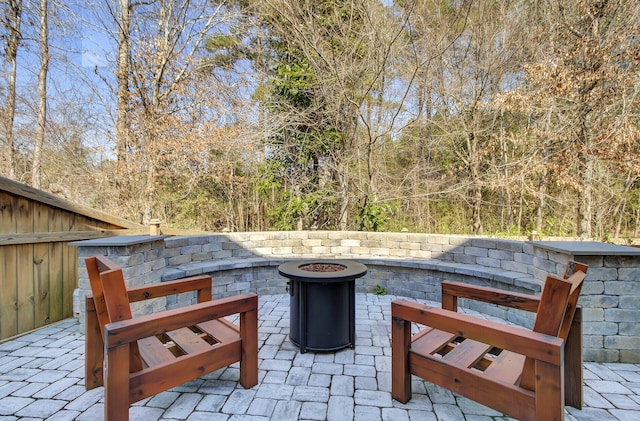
(610, 296)
(141, 258)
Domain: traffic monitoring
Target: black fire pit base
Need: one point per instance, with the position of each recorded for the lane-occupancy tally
(322, 312)
(324, 322)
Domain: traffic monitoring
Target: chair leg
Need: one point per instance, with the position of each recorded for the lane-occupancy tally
(549, 380)
(93, 349)
(400, 375)
(249, 353)
(116, 389)
(573, 363)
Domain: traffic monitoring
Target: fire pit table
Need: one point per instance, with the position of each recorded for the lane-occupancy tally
(322, 298)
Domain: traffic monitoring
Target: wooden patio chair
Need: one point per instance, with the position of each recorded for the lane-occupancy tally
(137, 357)
(525, 374)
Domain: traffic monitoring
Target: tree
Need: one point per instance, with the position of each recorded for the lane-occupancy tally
(173, 97)
(416, 172)
(479, 62)
(301, 133)
(123, 71)
(36, 165)
(11, 21)
(332, 99)
(161, 81)
(582, 91)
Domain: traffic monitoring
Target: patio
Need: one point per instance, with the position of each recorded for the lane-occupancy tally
(41, 378)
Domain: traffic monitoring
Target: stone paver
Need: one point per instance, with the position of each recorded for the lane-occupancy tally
(41, 377)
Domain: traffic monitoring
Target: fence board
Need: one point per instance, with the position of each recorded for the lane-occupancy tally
(8, 284)
(9, 288)
(56, 271)
(70, 258)
(26, 299)
(42, 287)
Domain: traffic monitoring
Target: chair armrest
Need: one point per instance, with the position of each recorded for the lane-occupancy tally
(128, 331)
(194, 283)
(451, 291)
(513, 338)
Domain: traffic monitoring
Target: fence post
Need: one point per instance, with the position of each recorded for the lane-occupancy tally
(154, 227)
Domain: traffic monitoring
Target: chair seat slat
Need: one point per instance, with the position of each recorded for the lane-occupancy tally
(432, 341)
(467, 353)
(153, 352)
(221, 330)
(188, 341)
(507, 367)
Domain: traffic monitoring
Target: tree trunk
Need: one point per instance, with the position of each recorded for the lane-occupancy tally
(122, 74)
(542, 193)
(627, 185)
(477, 203)
(476, 184)
(520, 209)
(544, 179)
(36, 168)
(343, 219)
(12, 22)
(506, 212)
(585, 210)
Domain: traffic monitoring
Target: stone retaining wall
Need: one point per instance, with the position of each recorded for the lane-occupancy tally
(405, 264)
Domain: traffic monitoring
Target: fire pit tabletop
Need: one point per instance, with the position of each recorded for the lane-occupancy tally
(295, 270)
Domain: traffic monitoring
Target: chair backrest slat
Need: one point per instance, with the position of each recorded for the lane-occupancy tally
(573, 267)
(577, 282)
(115, 295)
(95, 265)
(111, 301)
(553, 303)
(557, 305)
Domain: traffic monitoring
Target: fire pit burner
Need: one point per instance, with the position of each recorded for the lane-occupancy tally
(322, 298)
(322, 267)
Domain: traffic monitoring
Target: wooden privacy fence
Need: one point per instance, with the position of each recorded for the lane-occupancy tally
(38, 271)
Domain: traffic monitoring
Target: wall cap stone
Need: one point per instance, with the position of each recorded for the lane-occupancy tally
(119, 241)
(587, 248)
